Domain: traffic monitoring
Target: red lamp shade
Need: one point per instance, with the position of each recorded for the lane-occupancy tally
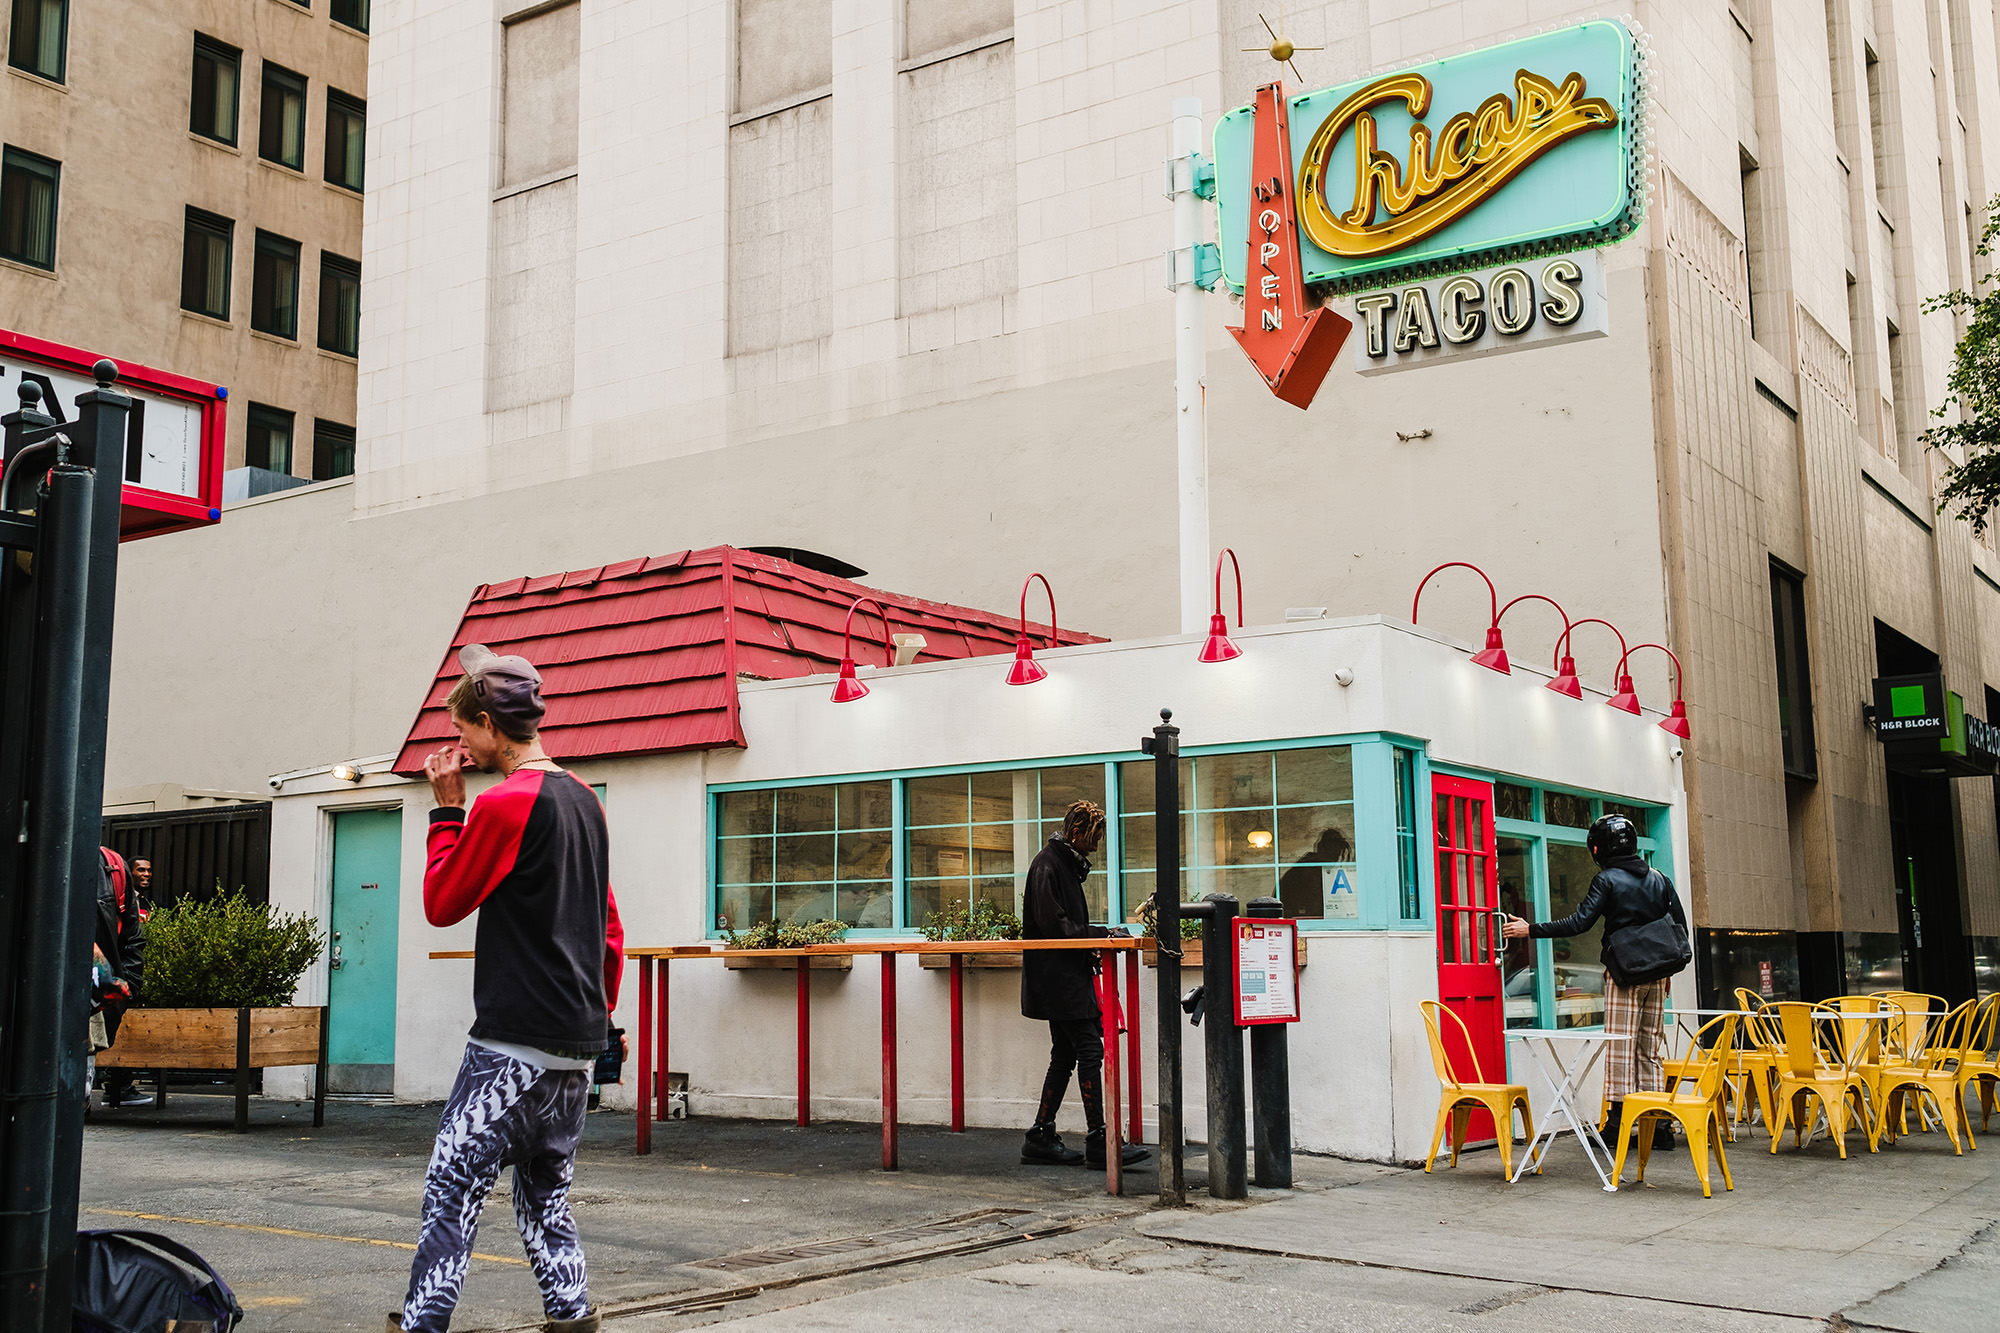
(1219, 647)
(1026, 670)
(1494, 656)
(1627, 698)
(847, 689)
(1676, 722)
(1566, 682)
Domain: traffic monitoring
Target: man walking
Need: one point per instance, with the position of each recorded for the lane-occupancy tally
(532, 858)
(1058, 985)
(120, 939)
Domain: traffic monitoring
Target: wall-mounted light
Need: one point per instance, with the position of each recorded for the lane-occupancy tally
(1218, 647)
(1260, 839)
(345, 773)
(1676, 722)
(1026, 670)
(1494, 655)
(1566, 681)
(848, 688)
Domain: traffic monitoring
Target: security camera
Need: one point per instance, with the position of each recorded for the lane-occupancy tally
(1343, 676)
(275, 784)
(1675, 752)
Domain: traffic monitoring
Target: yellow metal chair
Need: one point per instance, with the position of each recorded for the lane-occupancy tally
(1892, 1026)
(1461, 1096)
(1977, 1060)
(1759, 1047)
(1737, 1074)
(1933, 1074)
(1807, 1071)
(1697, 1105)
(1907, 1039)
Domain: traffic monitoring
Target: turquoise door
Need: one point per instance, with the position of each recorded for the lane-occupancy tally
(361, 953)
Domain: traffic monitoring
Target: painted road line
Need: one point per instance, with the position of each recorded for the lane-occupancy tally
(288, 1231)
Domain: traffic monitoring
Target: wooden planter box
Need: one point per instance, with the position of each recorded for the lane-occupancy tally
(931, 961)
(790, 963)
(235, 1039)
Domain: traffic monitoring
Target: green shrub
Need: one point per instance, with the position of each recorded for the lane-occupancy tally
(226, 953)
(773, 935)
(983, 921)
(1149, 918)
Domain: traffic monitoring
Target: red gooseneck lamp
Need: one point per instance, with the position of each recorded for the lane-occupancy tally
(1494, 655)
(1676, 722)
(847, 689)
(1218, 647)
(1026, 670)
(1565, 682)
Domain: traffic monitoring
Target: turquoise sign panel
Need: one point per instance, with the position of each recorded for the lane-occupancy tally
(1497, 154)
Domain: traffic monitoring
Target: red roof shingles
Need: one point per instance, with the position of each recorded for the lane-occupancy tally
(642, 656)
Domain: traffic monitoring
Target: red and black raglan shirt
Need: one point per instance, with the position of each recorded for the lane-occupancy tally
(532, 858)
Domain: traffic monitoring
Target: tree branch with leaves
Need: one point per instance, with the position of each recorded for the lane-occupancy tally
(1971, 441)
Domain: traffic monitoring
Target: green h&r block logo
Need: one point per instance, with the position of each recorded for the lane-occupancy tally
(1907, 701)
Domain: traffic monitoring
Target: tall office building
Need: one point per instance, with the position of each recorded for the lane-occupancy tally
(182, 188)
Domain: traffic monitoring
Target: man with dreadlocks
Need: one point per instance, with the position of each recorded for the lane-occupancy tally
(1057, 985)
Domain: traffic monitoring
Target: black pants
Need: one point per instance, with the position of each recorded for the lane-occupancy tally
(1078, 1044)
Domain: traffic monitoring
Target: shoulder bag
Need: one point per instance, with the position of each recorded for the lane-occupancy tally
(1652, 952)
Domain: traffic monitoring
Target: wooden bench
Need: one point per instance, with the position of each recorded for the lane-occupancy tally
(238, 1039)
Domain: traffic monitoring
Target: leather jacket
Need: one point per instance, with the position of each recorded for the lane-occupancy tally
(1627, 892)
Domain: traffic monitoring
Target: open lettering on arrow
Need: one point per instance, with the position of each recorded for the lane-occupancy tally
(1291, 346)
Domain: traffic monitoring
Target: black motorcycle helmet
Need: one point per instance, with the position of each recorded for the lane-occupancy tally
(1612, 837)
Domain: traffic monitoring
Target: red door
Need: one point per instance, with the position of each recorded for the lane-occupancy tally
(1468, 933)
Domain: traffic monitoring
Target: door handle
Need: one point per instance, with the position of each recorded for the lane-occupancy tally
(335, 960)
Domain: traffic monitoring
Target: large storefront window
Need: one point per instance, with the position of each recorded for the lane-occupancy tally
(1259, 824)
(1545, 873)
(800, 854)
(972, 835)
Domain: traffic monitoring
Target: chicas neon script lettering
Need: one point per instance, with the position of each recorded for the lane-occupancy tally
(1471, 159)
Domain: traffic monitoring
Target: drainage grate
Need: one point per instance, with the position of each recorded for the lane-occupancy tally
(822, 1249)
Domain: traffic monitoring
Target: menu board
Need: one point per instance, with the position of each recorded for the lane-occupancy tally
(1267, 970)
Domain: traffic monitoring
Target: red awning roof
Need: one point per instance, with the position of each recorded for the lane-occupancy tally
(642, 657)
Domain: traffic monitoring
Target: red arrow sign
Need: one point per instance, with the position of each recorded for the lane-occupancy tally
(1291, 346)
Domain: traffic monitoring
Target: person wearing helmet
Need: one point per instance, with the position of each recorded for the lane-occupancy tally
(1625, 892)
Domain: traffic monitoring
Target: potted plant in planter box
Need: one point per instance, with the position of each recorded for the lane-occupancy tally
(979, 921)
(777, 935)
(1190, 937)
(220, 976)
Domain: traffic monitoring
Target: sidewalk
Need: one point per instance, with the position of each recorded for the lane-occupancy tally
(768, 1224)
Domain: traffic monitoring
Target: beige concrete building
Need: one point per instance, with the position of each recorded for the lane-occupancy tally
(182, 189)
(883, 279)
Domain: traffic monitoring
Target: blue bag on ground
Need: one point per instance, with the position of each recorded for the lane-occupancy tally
(135, 1281)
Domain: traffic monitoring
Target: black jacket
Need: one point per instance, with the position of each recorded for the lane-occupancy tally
(1056, 983)
(1625, 893)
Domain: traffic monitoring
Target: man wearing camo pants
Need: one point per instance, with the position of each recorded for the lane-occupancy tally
(532, 859)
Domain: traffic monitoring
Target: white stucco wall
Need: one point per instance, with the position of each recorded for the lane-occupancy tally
(1362, 1082)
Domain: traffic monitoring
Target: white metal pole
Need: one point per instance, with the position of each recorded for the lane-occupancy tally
(1190, 373)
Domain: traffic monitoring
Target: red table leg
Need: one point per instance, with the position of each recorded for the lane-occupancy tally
(958, 1043)
(660, 1102)
(1137, 1133)
(645, 1144)
(1114, 1155)
(888, 1062)
(805, 1040)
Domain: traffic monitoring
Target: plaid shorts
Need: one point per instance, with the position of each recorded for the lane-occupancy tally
(1637, 1012)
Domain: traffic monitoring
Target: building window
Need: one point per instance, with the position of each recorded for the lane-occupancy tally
(281, 133)
(970, 836)
(1878, 133)
(353, 13)
(1409, 875)
(205, 264)
(333, 456)
(274, 287)
(39, 41)
(339, 304)
(213, 102)
(1256, 825)
(268, 443)
(801, 854)
(1897, 400)
(346, 138)
(28, 196)
(1795, 714)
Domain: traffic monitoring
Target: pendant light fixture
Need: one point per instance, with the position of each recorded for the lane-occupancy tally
(1219, 647)
(849, 687)
(1675, 723)
(1494, 655)
(1026, 670)
(1565, 682)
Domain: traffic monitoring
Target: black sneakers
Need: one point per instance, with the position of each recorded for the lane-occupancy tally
(1043, 1147)
(1129, 1154)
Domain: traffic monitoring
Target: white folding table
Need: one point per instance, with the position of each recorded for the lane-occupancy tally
(1564, 1078)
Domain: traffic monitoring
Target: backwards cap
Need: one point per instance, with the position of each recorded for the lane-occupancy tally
(509, 689)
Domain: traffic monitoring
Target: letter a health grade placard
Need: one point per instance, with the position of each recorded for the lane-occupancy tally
(1267, 970)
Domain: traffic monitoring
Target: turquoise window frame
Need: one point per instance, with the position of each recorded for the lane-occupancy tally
(1656, 845)
(1374, 811)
